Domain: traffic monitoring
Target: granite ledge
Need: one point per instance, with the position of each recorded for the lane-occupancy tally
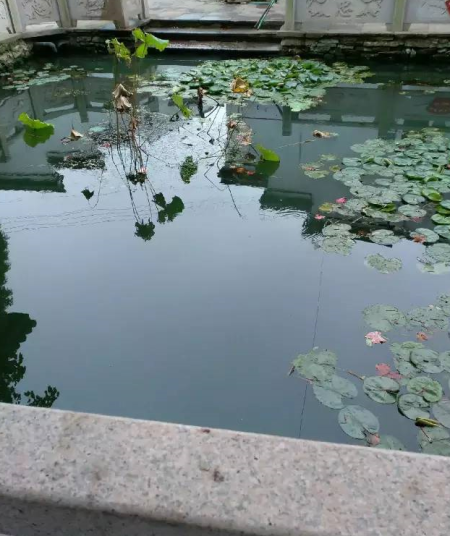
(71, 474)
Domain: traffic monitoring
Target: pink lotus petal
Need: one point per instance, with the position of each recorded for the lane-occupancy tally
(421, 336)
(319, 217)
(341, 200)
(374, 337)
(383, 369)
(373, 439)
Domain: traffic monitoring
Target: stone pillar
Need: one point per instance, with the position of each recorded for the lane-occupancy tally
(398, 17)
(65, 19)
(289, 19)
(15, 15)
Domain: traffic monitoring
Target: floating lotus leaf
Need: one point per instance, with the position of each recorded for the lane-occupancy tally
(413, 406)
(331, 393)
(381, 389)
(316, 173)
(427, 388)
(438, 253)
(428, 435)
(444, 303)
(384, 237)
(412, 211)
(445, 204)
(351, 162)
(390, 443)
(357, 422)
(338, 244)
(383, 264)
(383, 182)
(440, 219)
(432, 195)
(413, 199)
(436, 268)
(430, 236)
(443, 231)
(383, 317)
(444, 358)
(441, 411)
(318, 365)
(426, 360)
(337, 229)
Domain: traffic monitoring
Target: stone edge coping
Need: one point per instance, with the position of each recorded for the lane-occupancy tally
(168, 475)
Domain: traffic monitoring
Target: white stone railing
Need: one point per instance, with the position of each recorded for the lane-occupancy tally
(354, 15)
(16, 16)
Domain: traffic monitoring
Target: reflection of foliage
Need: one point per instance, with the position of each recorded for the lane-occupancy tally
(407, 385)
(146, 231)
(14, 328)
(50, 396)
(188, 169)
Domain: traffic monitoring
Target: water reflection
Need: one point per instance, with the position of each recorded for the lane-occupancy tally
(14, 329)
(216, 304)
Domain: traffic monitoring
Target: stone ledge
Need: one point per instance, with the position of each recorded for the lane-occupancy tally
(70, 474)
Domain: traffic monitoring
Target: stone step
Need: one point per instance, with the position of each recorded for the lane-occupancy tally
(213, 34)
(241, 47)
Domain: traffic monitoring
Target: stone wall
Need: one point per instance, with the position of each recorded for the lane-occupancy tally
(369, 46)
(12, 53)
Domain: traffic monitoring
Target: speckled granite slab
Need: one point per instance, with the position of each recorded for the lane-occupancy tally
(69, 474)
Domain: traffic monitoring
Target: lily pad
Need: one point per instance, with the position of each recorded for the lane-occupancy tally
(316, 173)
(318, 365)
(432, 195)
(412, 211)
(443, 302)
(381, 389)
(427, 318)
(337, 229)
(357, 422)
(383, 264)
(441, 411)
(444, 358)
(413, 406)
(426, 360)
(413, 199)
(433, 434)
(384, 237)
(430, 236)
(440, 219)
(338, 244)
(427, 388)
(383, 317)
(390, 443)
(331, 393)
(438, 253)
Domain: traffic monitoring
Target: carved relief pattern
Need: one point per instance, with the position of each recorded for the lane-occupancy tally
(93, 8)
(39, 10)
(345, 9)
(3, 11)
(434, 8)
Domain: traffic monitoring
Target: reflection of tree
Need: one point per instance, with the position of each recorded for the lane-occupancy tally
(14, 328)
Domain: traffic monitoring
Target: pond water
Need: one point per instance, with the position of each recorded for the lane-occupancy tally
(197, 319)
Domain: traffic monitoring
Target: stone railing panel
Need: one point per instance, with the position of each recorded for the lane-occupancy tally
(5, 21)
(38, 11)
(120, 11)
(427, 11)
(332, 12)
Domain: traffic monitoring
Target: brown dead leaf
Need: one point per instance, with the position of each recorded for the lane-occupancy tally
(239, 85)
(421, 336)
(420, 239)
(120, 90)
(74, 135)
(323, 134)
